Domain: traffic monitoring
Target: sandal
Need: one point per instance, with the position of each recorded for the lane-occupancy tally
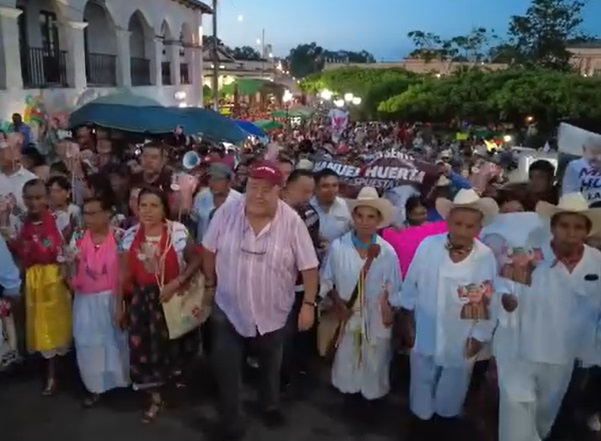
(91, 400)
(153, 411)
(50, 388)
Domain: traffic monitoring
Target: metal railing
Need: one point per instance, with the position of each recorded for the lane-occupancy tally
(42, 68)
(101, 69)
(166, 73)
(184, 74)
(140, 72)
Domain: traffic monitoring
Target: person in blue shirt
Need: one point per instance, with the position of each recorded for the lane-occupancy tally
(448, 184)
(10, 281)
(10, 277)
(18, 126)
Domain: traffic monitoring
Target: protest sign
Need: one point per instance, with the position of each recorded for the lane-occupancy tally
(383, 171)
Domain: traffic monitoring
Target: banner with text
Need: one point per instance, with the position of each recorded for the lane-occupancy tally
(384, 172)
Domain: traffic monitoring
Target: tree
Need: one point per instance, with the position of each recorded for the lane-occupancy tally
(428, 46)
(307, 59)
(540, 36)
(245, 53)
(370, 84)
(461, 48)
(511, 95)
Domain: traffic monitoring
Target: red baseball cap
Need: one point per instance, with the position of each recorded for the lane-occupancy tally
(267, 171)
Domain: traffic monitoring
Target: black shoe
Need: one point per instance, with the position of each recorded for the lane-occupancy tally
(273, 419)
(222, 433)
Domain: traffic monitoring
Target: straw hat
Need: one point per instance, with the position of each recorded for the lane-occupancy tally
(304, 164)
(368, 197)
(469, 199)
(572, 203)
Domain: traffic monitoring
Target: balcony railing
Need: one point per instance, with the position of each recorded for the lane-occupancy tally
(101, 69)
(166, 73)
(42, 68)
(140, 72)
(184, 74)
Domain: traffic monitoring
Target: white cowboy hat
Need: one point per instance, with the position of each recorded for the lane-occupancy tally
(469, 199)
(443, 181)
(304, 164)
(368, 197)
(572, 203)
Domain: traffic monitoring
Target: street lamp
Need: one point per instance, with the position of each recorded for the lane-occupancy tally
(286, 98)
(348, 97)
(356, 100)
(326, 95)
(339, 103)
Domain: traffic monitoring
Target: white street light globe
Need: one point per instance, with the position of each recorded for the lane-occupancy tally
(348, 97)
(339, 103)
(287, 97)
(258, 41)
(356, 101)
(326, 94)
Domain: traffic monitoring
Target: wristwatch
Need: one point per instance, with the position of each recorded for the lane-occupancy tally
(307, 302)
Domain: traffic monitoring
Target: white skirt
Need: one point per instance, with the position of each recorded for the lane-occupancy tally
(101, 347)
(367, 374)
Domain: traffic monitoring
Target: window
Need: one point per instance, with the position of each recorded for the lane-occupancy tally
(49, 31)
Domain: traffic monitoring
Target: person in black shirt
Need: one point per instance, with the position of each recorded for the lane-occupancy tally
(297, 351)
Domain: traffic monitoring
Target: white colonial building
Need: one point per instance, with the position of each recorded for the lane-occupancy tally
(67, 52)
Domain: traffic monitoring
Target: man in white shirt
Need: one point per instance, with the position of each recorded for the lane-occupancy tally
(550, 322)
(13, 175)
(209, 200)
(334, 216)
(445, 301)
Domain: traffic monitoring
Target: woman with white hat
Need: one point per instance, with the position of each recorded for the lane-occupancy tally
(444, 302)
(551, 321)
(360, 274)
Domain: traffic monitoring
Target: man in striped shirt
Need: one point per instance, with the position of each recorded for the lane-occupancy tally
(253, 251)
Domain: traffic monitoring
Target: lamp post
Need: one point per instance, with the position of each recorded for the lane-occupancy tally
(286, 99)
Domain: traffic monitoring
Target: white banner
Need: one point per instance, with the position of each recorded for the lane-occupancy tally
(571, 139)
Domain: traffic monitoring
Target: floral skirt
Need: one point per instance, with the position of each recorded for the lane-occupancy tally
(154, 358)
(47, 311)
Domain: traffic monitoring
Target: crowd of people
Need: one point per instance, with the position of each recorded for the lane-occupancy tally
(97, 235)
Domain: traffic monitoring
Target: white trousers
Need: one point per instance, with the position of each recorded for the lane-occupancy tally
(436, 389)
(530, 395)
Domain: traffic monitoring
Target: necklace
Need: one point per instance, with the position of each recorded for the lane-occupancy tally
(362, 245)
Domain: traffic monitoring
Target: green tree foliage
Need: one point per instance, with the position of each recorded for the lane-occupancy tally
(464, 48)
(372, 85)
(509, 95)
(245, 53)
(541, 34)
(307, 59)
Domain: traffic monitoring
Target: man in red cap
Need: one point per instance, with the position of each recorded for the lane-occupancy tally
(253, 250)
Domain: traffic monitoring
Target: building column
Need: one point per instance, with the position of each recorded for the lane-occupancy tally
(156, 62)
(195, 69)
(123, 58)
(174, 60)
(76, 55)
(11, 75)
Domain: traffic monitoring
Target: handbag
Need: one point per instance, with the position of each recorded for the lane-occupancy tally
(330, 327)
(190, 307)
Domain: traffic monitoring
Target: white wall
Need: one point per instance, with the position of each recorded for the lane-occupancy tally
(106, 35)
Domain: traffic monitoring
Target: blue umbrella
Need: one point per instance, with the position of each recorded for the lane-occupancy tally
(250, 128)
(210, 124)
(137, 119)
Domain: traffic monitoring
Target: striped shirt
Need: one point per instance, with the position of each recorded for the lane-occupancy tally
(256, 274)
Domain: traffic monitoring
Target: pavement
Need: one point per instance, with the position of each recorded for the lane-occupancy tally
(314, 411)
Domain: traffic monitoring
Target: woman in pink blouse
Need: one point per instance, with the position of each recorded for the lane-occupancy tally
(102, 354)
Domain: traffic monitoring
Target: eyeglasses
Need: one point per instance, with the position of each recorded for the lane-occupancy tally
(258, 248)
